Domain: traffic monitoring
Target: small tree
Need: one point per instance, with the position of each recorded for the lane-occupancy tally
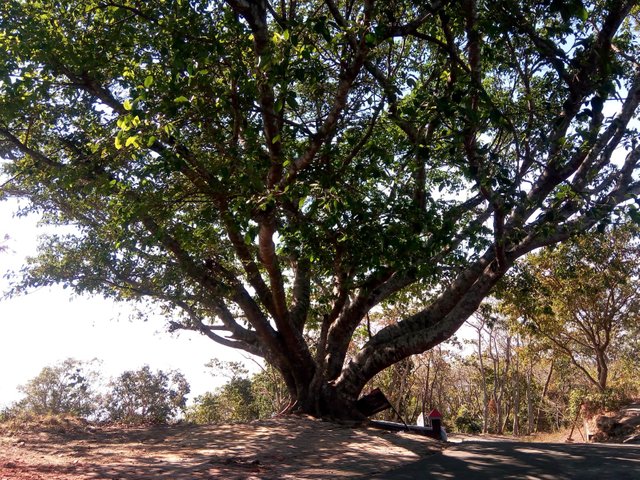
(242, 398)
(269, 391)
(63, 388)
(139, 396)
(583, 298)
(233, 402)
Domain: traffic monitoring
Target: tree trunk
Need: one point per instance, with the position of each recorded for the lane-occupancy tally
(485, 393)
(516, 386)
(602, 369)
(530, 419)
(543, 397)
(328, 386)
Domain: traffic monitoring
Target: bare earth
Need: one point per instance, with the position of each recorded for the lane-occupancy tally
(283, 448)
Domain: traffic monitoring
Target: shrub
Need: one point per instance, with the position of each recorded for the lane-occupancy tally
(142, 396)
(233, 402)
(466, 422)
(63, 388)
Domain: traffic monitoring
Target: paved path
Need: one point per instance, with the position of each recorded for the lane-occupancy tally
(518, 460)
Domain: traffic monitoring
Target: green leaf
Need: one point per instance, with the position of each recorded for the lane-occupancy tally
(370, 38)
(151, 141)
(292, 102)
(133, 140)
(127, 105)
(148, 81)
(275, 139)
(181, 99)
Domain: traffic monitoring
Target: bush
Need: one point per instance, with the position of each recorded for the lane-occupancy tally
(205, 410)
(64, 388)
(242, 398)
(466, 422)
(142, 396)
(233, 402)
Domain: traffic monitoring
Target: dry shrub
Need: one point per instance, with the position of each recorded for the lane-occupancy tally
(24, 422)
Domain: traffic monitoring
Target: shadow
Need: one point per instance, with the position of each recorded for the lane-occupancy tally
(492, 460)
(294, 448)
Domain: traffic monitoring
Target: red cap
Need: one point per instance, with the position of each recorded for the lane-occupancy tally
(434, 414)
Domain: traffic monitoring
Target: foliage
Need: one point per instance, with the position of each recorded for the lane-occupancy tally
(465, 422)
(269, 173)
(233, 402)
(241, 398)
(269, 392)
(582, 297)
(64, 388)
(144, 396)
(204, 410)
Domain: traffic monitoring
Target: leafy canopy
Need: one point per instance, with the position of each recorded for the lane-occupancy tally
(67, 387)
(582, 298)
(269, 173)
(144, 396)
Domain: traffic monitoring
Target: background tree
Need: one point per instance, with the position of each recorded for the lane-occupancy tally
(241, 398)
(271, 172)
(269, 392)
(67, 387)
(583, 297)
(144, 396)
(232, 402)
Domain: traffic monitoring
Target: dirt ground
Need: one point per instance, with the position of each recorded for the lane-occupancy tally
(283, 448)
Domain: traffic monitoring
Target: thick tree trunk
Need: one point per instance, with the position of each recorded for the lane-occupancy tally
(322, 389)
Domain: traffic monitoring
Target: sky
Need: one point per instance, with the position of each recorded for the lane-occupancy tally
(50, 325)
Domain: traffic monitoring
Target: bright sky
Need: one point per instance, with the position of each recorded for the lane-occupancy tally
(51, 325)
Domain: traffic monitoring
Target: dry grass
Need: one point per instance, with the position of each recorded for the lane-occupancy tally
(559, 436)
(28, 422)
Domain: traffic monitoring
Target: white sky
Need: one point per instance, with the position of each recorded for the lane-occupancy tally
(51, 325)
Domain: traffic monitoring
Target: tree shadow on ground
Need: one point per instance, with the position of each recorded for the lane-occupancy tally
(491, 460)
(283, 448)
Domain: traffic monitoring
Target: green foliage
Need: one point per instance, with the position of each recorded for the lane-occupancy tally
(269, 392)
(269, 172)
(144, 396)
(205, 409)
(233, 402)
(241, 398)
(466, 422)
(609, 400)
(582, 297)
(63, 388)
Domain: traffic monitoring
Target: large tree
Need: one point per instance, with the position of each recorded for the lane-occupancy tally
(270, 172)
